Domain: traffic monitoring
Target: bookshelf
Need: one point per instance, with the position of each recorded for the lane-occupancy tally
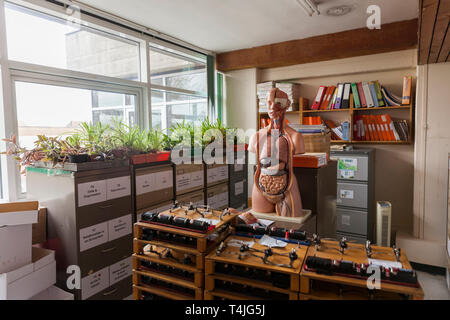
(406, 112)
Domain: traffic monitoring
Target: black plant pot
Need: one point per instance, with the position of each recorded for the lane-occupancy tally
(78, 158)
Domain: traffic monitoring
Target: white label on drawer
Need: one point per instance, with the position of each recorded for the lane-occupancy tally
(213, 175)
(196, 179)
(239, 188)
(346, 194)
(118, 187)
(145, 183)
(120, 227)
(238, 167)
(223, 172)
(183, 181)
(91, 192)
(94, 283)
(120, 271)
(345, 220)
(93, 236)
(164, 180)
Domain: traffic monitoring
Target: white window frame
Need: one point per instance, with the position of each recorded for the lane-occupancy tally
(12, 71)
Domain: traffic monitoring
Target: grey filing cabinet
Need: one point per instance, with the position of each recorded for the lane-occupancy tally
(90, 226)
(355, 203)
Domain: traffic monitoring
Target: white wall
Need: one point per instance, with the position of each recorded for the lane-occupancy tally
(240, 105)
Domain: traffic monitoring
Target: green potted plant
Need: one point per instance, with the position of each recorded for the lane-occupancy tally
(24, 156)
(72, 149)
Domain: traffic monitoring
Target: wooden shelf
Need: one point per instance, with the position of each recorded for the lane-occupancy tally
(359, 109)
(370, 142)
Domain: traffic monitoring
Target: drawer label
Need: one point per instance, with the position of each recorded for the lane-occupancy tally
(94, 283)
(183, 181)
(91, 192)
(93, 236)
(164, 180)
(347, 194)
(239, 188)
(120, 270)
(118, 187)
(145, 183)
(118, 228)
(197, 179)
(217, 174)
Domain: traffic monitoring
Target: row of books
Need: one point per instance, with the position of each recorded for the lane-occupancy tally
(379, 128)
(360, 95)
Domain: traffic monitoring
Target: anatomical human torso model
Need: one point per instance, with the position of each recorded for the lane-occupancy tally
(275, 187)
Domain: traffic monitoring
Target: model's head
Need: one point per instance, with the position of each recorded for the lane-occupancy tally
(278, 103)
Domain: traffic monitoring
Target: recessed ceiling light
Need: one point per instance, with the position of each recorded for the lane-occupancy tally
(339, 11)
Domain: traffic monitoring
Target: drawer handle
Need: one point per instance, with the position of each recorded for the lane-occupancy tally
(110, 292)
(108, 250)
(106, 207)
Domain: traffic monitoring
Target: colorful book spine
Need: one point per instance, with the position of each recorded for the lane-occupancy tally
(356, 95)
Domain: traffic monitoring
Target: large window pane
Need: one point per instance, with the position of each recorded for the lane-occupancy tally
(171, 108)
(58, 111)
(177, 71)
(37, 38)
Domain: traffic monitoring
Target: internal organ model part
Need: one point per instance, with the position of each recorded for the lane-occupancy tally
(275, 187)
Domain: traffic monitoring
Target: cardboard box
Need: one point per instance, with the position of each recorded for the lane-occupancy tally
(16, 221)
(53, 293)
(29, 280)
(39, 229)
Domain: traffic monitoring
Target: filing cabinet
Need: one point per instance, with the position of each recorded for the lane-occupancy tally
(153, 184)
(355, 204)
(217, 196)
(188, 178)
(238, 181)
(196, 197)
(90, 220)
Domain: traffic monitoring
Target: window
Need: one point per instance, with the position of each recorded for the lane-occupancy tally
(170, 108)
(171, 70)
(41, 39)
(63, 74)
(58, 111)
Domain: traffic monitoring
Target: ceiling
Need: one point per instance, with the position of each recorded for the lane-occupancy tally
(226, 25)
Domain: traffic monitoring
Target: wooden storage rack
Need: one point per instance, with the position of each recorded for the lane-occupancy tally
(230, 257)
(314, 286)
(170, 284)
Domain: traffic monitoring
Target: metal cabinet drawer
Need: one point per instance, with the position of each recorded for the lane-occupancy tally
(105, 254)
(104, 211)
(353, 167)
(351, 237)
(352, 195)
(351, 221)
(118, 291)
(153, 185)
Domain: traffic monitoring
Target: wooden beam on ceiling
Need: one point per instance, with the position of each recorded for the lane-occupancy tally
(359, 42)
(434, 37)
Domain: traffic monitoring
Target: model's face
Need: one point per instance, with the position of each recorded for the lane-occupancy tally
(275, 110)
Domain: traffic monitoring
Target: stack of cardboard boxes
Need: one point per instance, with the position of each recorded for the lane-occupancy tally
(26, 272)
